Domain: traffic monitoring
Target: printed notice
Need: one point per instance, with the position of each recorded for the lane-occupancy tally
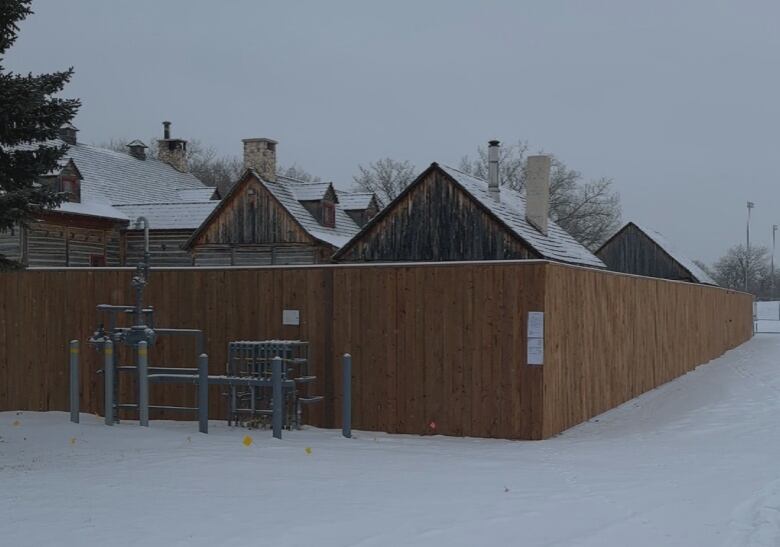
(535, 324)
(536, 351)
(291, 317)
(535, 338)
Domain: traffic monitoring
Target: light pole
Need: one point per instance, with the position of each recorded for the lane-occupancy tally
(772, 268)
(750, 206)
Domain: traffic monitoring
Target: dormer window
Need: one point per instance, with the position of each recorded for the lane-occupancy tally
(328, 214)
(71, 187)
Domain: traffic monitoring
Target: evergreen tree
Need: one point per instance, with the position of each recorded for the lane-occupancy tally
(29, 117)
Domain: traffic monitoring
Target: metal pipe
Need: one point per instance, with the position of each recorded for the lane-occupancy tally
(276, 379)
(203, 393)
(108, 377)
(143, 384)
(346, 408)
(493, 182)
(74, 381)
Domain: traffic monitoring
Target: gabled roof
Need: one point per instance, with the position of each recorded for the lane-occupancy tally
(697, 273)
(356, 201)
(509, 210)
(170, 216)
(112, 178)
(286, 191)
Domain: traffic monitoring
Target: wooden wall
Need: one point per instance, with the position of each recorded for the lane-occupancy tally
(438, 348)
(611, 337)
(632, 251)
(435, 220)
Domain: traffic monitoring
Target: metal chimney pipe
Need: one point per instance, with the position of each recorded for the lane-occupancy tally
(493, 183)
(166, 130)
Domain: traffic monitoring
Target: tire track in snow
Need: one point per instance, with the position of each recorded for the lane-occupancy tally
(756, 522)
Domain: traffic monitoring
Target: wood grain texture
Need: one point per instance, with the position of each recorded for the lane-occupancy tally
(441, 344)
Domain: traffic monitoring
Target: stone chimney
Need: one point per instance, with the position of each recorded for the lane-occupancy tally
(137, 149)
(537, 192)
(493, 182)
(68, 133)
(172, 151)
(260, 155)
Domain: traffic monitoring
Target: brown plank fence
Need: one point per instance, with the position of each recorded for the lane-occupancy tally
(437, 348)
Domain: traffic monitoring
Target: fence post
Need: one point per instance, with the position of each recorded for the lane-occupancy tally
(346, 409)
(278, 410)
(143, 384)
(74, 381)
(203, 393)
(108, 376)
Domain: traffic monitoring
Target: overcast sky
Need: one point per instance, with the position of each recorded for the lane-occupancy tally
(676, 101)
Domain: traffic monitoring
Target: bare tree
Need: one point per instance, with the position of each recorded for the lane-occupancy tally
(298, 173)
(588, 210)
(729, 270)
(385, 177)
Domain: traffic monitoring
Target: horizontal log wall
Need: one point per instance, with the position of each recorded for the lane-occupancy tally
(438, 348)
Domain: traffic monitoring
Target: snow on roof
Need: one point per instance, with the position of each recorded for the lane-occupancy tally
(95, 209)
(699, 274)
(197, 194)
(355, 201)
(286, 193)
(510, 209)
(170, 216)
(307, 191)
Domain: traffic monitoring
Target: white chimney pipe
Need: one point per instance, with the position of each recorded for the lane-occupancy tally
(537, 192)
(493, 183)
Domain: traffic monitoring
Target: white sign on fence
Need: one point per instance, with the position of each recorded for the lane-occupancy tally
(535, 338)
(291, 317)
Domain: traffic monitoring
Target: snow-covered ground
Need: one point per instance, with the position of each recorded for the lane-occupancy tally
(693, 463)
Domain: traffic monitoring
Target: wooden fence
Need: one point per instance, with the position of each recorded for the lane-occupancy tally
(437, 348)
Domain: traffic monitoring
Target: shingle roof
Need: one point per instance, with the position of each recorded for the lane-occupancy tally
(355, 201)
(510, 209)
(669, 248)
(197, 194)
(307, 191)
(170, 216)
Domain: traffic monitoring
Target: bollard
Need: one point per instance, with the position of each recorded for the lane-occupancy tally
(278, 411)
(74, 381)
(203, 393)
(108, 374)
(346, 409)
(143, 384)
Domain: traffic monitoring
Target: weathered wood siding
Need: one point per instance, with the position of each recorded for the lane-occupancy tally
(441, 344)
(252, 215)
(165, 247)
(11, 243)
(631, 251)
(254, 229)
(436, 221)
(53, 245)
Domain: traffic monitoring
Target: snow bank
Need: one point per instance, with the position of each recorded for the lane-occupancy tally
(692, 463)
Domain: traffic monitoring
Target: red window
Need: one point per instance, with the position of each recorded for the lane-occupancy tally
(328, 214)
(97, 261)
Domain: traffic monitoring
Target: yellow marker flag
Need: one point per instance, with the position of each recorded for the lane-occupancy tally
(247, 440)
(73, 440)
(308, 450)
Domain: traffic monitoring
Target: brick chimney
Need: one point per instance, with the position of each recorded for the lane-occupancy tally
(172, 151)
(537, 192)
(67, 133)
(137, 149)
(260, 155)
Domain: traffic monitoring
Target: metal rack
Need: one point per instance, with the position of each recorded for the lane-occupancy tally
(250, 404)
